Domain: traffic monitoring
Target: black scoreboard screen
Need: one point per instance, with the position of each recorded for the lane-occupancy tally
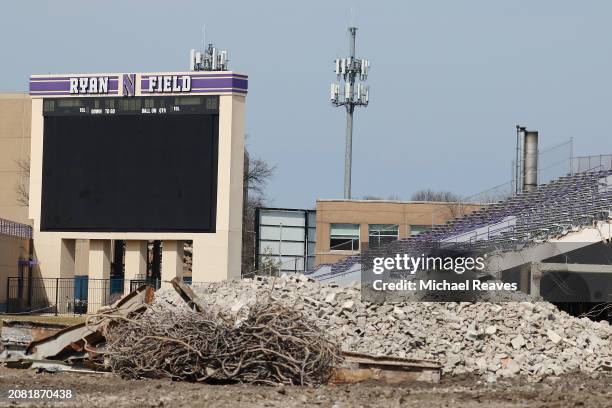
(130, 164)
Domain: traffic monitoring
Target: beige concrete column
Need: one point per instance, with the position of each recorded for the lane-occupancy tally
(55, 259)
(218, 256)
(67, 258)
(99, 268)
(172, 261)
(36, 154)
(135, 262)
(81, 257)
(536, 279)
(65, 289)
(525, 278)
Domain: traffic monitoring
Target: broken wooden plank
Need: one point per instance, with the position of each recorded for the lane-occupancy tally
(188, 295)
(142, 295)
(359, 367)
(362, 358)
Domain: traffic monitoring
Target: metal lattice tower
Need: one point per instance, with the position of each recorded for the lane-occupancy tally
(350, 70)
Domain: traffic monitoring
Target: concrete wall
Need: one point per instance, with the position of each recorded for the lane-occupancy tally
(11, 249)
(15, 113)
(15, 118)
(364, 212)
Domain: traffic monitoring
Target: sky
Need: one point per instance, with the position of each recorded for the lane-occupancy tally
(449, 79)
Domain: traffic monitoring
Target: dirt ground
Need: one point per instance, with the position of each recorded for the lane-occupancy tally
(109, 391)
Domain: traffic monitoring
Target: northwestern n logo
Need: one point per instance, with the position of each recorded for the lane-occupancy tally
(129, 84)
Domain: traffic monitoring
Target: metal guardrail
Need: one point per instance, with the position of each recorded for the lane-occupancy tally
(68, 296)
(15, 229)
(588, 163)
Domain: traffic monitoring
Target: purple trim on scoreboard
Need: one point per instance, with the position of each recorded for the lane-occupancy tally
(215, 75)
(201, 83)
(218, 82)
(61, 85)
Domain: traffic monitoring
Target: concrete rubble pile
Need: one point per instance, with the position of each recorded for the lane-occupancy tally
(275, 344)
(133, 338)
(489, 339)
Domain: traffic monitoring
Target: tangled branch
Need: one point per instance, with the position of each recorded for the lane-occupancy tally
(274, 344)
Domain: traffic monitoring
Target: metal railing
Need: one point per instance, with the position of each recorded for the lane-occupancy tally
(588, 163)
(15, 229)
(72, 296)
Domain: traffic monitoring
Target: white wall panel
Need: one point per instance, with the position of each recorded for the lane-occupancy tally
(274, 217)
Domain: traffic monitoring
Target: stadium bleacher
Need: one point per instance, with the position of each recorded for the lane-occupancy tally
(553, 210)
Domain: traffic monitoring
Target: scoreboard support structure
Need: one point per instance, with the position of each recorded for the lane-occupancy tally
(63, 214)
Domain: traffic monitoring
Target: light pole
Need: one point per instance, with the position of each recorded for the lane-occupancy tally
(350, 70)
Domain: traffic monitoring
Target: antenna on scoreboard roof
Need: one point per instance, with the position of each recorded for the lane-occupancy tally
(210, 59)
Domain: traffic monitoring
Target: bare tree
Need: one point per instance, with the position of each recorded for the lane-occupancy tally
(454, 207)
(257, 174)
(22, 188)
(257, 177)
(437, 196)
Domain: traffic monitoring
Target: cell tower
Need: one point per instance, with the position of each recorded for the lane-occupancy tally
(348, 71)
(212, 59)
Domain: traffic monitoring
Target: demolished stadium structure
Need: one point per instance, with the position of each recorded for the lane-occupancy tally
(565, 215)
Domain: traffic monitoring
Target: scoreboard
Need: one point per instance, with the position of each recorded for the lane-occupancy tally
(138, 157)
(141, 164)
(159, 105)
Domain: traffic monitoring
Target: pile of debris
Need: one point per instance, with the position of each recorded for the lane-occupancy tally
(275, 344)
(182, 338)
(293, 330)
(51, 347)
(486, 338)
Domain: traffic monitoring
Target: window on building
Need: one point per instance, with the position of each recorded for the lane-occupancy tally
(380, 234)
(344, 237)
(417, 229)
